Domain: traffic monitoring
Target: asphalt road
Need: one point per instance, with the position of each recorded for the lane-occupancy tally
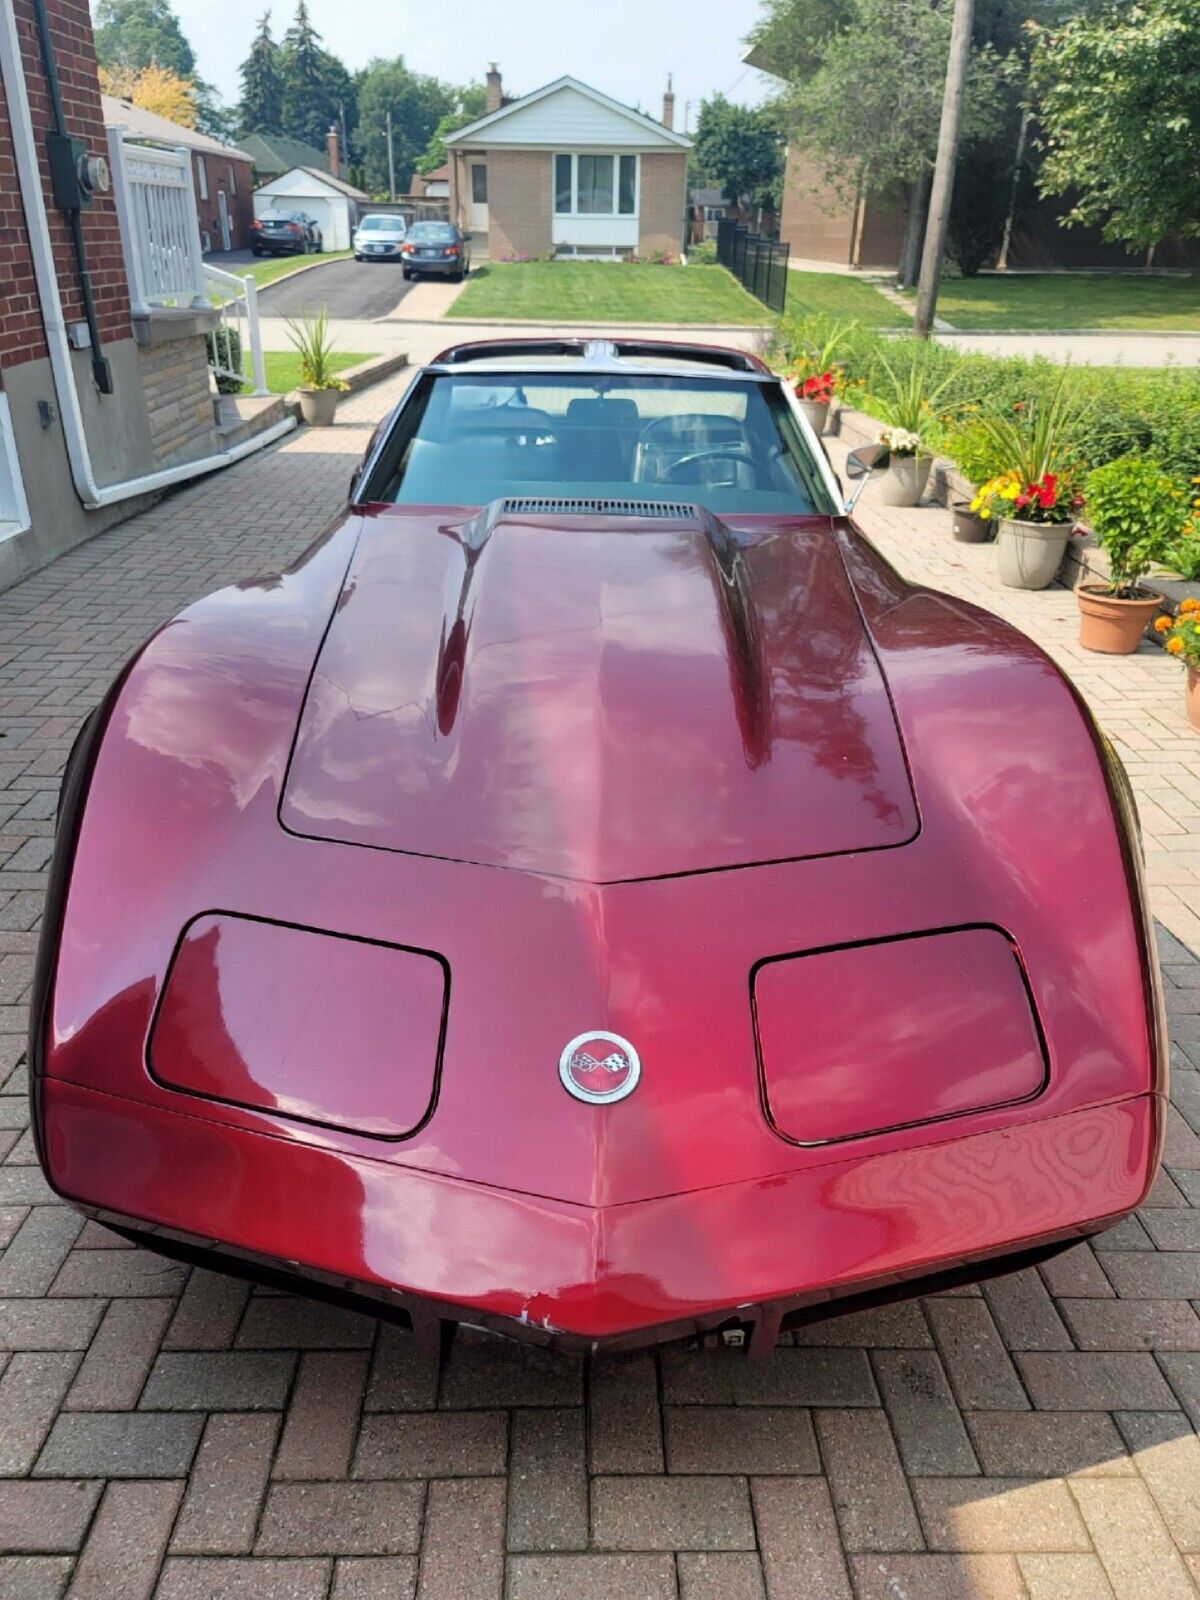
(357, 290)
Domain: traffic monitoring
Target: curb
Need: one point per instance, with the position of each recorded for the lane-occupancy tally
(1076, 333)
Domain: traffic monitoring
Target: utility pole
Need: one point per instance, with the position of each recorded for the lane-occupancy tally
(391, 160)
(947, 160)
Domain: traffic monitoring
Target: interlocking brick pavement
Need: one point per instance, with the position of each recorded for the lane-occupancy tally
(185, 1437)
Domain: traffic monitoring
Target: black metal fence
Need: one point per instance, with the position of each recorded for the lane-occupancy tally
(759, 263)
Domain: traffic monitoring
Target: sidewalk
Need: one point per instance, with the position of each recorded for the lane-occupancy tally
(178, 1435)
(1138, 699)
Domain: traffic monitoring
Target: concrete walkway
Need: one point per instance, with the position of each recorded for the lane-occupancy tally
(177, 1435)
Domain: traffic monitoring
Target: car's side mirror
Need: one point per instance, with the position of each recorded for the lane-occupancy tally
(868, 458)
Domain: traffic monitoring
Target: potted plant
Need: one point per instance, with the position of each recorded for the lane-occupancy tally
(1183, 642)
(1133, 510)
(903, 398)
(815, 395)
(319, 389)
(1034, 498)
(816, 375)
(973, 451)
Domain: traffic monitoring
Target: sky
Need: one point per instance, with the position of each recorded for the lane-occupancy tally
(623, 47)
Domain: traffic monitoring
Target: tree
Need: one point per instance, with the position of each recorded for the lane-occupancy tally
(1117, 94)
(742, 149)
(472, 104)
(260, 109)
(155, 89)
(417, 105)
(135, 34)
(317, 89)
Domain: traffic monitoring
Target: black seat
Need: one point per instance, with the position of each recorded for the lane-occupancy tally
(598, 440)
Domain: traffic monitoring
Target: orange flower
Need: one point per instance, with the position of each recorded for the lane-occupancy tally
(1186, 607)
(1175, 646)
(1163, 624)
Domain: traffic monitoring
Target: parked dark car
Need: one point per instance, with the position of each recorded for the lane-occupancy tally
(285, 233)
(437, 247)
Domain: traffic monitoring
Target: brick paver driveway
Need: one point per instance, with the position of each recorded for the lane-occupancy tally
(179, 1435)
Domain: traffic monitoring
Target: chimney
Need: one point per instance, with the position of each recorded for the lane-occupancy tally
(668, 115)
(331, 149)
(495, 94)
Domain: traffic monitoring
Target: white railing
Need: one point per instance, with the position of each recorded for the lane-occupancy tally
(237, 334)
(156, 209)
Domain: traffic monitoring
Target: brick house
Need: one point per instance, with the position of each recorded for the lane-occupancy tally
(101, 407)
(222, 176)
(568, 171)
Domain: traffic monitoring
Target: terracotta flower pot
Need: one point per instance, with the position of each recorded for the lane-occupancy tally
(1028, 554)
(905, 479)
(1192, 697)
(1110, 624)
(969, 527)
(817, 413)
(317, 406)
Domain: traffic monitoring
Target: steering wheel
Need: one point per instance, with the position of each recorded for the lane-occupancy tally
(715, 452)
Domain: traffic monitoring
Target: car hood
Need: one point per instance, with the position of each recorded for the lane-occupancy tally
(601, 698)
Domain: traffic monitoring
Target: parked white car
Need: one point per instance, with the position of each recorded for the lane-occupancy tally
(378, 237)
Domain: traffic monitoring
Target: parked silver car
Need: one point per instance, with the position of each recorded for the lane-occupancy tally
(379, 237)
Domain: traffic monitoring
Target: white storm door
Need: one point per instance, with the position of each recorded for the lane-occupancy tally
(223, 212)
(478, 213)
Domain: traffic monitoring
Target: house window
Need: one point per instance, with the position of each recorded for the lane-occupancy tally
(479, 184)
(595, 185)
(232, 179)
(202, 175)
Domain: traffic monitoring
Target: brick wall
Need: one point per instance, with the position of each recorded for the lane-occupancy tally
(238, 198)
(519, 202)
(21, 335)
(663, 198)
(178, 398)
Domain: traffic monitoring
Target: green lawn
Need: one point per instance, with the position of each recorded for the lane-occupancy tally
(267, 268)
(606, 291)
(283, 367)
(833, 294)
(1071, 300)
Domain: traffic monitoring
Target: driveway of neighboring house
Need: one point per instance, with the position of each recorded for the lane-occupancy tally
(179, 1435)
(359, 290)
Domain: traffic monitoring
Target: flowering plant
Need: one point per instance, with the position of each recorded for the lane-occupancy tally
(1049, 498)
(900, 441)
(1183, 633)
(819, 388)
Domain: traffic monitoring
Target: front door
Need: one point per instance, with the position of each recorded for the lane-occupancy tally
(223, 213)
(478, 213)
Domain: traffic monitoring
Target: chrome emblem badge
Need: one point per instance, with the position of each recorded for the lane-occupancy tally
(599, 1067)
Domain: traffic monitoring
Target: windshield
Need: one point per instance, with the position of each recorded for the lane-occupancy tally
(373, 224)
(432, 232)
(731, 444)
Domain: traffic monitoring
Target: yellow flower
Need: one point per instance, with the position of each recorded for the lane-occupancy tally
(1010, 491)
(1163, 624)
(985, 513)
(1175, 646)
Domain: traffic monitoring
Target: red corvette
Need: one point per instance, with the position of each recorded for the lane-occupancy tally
(591, 895)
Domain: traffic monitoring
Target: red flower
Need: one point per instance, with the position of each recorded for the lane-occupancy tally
(1022, 500)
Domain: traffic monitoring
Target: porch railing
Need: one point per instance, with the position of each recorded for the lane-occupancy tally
(156, 210)
(237, 335)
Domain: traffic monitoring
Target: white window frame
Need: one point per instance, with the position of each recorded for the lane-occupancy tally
(615, 156)
(202, 177)
(14, 508)
(232, 179)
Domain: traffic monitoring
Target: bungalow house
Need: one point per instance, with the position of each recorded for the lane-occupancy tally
(433, 185)
(568, 171)
(222, 176)
(334, 205)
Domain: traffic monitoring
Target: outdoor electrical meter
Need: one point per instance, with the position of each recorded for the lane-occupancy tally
(77, 177)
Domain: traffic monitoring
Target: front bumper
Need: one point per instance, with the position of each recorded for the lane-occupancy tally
(767, 1253)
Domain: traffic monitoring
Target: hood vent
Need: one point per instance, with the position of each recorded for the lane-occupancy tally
(662, 510)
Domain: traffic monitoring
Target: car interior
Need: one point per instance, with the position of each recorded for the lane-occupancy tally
(468, 440)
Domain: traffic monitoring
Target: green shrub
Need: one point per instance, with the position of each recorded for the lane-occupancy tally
(970, 444)
(1135, 511)
(231, 356)
(703, 254)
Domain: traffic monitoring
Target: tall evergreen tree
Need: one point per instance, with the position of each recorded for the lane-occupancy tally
(136, 34)
(261, 107)
(315, 84)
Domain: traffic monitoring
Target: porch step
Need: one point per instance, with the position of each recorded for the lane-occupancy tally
(241, 416)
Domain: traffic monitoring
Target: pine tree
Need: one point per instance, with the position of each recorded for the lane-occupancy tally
(261, 106)
(309, 106)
